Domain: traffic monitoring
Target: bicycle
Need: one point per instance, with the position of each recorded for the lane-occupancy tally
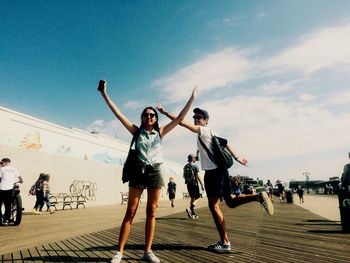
(16, 208)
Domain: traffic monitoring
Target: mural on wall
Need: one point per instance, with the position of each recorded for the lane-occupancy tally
(84, 189)
(106, 157)
(31, 141)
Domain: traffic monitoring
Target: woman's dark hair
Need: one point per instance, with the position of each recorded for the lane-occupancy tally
(156, 124)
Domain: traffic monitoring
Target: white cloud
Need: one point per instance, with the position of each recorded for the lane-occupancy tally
(274, 87)
(322, 49)
(341, 98)
(136, 104)
(307, 97)
(211, 72)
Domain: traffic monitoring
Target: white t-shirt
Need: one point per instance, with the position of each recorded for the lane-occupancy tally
(8, 177)
(206, 136)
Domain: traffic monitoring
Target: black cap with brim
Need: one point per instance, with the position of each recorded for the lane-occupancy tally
(6, 160)
(190, 157)
(202, 112)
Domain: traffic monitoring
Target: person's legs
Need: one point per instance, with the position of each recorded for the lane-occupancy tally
(7, 203)
(133, 203)
(1, 202)
(152, 201)
(214, 206)
(233, 201)
(39, 202)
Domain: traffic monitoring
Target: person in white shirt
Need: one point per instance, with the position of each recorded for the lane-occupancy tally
(216, 180)
(8, 177)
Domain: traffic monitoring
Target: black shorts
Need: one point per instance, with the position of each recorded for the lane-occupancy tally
(151, 177)
(193, 190)
(217, 183)
(171, 196)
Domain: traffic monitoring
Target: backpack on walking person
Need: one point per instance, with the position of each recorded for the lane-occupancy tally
(33, 189)
(188, 173)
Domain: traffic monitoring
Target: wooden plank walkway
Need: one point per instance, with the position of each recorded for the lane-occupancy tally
(293, 234)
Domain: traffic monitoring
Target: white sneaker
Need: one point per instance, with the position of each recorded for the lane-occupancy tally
(194, 216)
(150, 257)
(35, 212)
(266, 203)
(117, 258)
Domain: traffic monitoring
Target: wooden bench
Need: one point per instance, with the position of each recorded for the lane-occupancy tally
(65, 199)
(185, 195)
(125, 197)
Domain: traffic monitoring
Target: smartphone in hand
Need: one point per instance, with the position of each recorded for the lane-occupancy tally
(101, 85)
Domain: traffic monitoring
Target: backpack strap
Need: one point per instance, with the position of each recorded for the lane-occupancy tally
(210, 155)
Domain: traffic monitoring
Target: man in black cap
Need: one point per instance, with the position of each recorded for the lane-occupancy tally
(8, 177)
(191, 176)
(216, 180)
(345, 178)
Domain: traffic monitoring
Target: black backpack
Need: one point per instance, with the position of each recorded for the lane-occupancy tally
(188, 173)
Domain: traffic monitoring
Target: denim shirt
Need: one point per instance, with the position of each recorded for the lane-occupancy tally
(149, 147)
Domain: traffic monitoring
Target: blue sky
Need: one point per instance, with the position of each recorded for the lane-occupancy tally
(274, 75)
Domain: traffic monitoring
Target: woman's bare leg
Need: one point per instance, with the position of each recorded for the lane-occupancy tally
(133, 203)
(152, 201)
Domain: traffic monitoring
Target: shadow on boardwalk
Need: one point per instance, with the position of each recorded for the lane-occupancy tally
(293, 234)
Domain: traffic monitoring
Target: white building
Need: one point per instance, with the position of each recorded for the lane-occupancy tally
(69, 155)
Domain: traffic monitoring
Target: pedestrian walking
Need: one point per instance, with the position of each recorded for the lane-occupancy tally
(171, 191)
(192, 181)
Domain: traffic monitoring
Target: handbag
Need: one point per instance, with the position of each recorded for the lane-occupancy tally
(221, 157)
(130, 167)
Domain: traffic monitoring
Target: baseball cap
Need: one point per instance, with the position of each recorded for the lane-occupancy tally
(202, 112)
(189, 157)
(6, 160)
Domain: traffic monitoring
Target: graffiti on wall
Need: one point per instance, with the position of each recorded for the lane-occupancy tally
(84, 189)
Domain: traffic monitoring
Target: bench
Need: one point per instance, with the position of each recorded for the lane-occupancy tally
(125, 197)
(65, 199)
(185, 195)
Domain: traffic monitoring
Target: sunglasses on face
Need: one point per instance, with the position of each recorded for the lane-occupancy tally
(148, 115)
(197, 117)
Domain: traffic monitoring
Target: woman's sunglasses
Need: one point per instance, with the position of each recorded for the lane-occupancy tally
(197, 117)
(146, 115)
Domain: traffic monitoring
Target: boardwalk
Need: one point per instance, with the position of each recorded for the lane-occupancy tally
(293, 234)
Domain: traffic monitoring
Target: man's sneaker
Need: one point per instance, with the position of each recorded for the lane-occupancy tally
(194, 215)
(266, 203)
(150, 257)
(5, 223)
(220, 247)
(117, 258)
(189, 213)
(36, 212)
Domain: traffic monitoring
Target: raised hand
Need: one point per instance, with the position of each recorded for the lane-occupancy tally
(160, 108)
(195, 91)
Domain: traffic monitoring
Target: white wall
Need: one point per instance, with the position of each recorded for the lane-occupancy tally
(36, 146)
